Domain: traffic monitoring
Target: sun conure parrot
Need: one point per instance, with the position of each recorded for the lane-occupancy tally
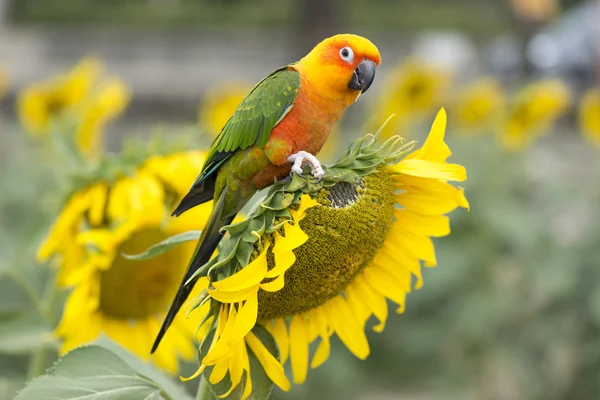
(280, 125)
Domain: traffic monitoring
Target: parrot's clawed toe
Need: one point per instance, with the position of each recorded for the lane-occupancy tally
(303, 157)
(285, 179)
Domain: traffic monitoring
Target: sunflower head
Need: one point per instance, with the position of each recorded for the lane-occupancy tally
(479, 105)
(532, 111)
(80, 99)
(314, 259)
(122, 209)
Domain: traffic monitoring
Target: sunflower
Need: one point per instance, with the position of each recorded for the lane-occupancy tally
(79, 97)
(110, 294)
(589, 116)
(413, 89)
(108, 100)
(478, 105)
(533, 111)
(318, 259)
(219, 104)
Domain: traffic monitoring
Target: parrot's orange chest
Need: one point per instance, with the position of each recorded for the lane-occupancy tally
(306, 127)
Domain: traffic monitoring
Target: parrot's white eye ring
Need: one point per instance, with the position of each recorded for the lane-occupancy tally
(347, 54)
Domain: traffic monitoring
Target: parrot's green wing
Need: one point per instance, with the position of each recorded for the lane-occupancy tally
(256, 116)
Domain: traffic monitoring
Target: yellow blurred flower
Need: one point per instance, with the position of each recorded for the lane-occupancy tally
(478, 106)
(80, 96)
(413, 89)
(109, 100)
(589, 116)
(533, 111)
(219, 104)
(330, 266)
(44, 101)
(111, 295)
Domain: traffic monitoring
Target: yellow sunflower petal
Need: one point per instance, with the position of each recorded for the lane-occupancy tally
(384, 283)
(306, 202)
(298, 349)
(426, 225)
(246, 318)
(347, 327)
(219, 371)
(279, 331)
(98, 198)
(282, 250)
(375, 301)
(431, 169)
(434, 148)
(272, 367)
(247, 277)
(233, 297)
(322, 353)
(275, 285)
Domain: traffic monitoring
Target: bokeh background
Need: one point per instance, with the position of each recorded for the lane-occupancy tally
(513, 309)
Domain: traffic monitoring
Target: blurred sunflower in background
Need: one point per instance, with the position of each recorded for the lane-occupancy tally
(219, 104)
(330, 260)
(478, 106)
(123, 212)
(80, 98)
(589, 116)
(532, 111)
(413, 89)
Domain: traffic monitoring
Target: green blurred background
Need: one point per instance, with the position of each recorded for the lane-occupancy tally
(513, 309)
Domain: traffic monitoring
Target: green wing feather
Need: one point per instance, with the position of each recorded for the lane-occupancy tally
(256, 116)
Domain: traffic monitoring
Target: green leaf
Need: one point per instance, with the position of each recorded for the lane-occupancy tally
(22, 333)
(173, 390)
(165, 245)
(93, 373)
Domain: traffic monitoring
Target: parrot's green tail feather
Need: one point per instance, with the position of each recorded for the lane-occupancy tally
(208, 242)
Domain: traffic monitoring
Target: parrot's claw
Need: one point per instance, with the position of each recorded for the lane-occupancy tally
(302, 157)
(285, 180)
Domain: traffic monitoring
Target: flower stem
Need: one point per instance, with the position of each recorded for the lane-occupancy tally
(37, 363)
(204, 392)
(39, 359)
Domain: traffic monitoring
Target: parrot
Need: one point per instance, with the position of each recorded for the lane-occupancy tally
(278, 128)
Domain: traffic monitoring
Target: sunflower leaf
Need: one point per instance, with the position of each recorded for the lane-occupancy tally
(174, 390)
(95, 373)
(164, 246)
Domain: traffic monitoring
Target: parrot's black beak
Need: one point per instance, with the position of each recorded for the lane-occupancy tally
(363, 76)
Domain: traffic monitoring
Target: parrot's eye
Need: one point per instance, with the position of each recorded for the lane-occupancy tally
(347, 54)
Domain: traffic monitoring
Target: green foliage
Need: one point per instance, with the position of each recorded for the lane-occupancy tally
(94, 372)
(165, 245)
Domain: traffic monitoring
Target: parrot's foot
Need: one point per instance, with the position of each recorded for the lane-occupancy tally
(302, 157)
(286, 179)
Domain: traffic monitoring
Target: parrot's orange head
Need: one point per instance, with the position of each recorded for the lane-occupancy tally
(341, 67)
